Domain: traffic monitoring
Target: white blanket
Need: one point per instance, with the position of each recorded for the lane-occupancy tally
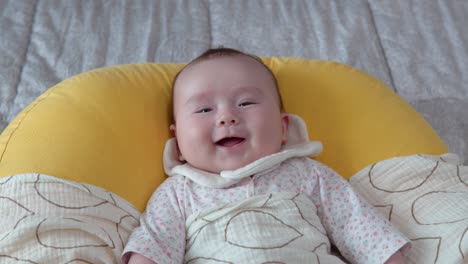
(275, 228)
(49, 220)
(427, 198)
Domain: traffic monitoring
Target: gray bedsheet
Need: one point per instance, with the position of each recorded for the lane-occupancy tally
(418, 48)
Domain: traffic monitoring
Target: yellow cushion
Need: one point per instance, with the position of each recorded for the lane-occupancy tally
(108, 127)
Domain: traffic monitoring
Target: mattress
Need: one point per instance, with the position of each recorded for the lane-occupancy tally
(417, 48)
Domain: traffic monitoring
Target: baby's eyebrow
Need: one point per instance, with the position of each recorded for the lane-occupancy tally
(253, 89)
(242, 90)
(196, 98)
(250, 89)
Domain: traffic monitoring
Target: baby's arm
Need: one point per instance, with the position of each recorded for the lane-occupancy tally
(359, 232)
(160, 236)
(136, 258)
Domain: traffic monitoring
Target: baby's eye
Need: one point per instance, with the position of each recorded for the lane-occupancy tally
(204, 110)
(246, 103)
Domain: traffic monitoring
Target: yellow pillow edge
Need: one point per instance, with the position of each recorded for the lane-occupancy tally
(64, 88)
(437, 147)
(7, 134)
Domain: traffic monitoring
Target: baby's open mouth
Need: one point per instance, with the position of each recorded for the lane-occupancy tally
(229, 141)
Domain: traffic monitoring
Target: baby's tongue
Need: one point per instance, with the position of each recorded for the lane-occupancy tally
(228, 142)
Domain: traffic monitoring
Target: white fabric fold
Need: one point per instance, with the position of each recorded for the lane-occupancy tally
(230, 232)
(298, 145)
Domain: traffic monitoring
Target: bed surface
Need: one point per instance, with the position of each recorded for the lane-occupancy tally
(417, 48)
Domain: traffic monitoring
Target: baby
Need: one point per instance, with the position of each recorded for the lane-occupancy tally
(237, 153)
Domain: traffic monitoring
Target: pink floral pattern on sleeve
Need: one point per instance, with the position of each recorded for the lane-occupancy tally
(161, 234)
(360, 233)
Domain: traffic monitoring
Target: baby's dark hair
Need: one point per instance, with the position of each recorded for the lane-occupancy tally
(220, 52)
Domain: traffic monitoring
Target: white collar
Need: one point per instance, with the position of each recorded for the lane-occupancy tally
(298, 145)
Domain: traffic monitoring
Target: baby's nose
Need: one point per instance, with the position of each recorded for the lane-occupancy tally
(227, 121)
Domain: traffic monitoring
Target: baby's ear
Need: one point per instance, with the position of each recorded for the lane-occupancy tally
(284, 126)
(172, 128)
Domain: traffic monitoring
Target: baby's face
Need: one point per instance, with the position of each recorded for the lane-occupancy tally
(227, 113)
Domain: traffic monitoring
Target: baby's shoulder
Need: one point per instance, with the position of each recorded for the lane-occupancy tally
(171, 183)
(308, 165)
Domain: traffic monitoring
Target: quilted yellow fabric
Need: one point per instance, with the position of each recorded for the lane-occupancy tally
(108, 127)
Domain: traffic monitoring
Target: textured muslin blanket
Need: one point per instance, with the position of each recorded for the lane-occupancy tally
(49, 220)
(427, 198)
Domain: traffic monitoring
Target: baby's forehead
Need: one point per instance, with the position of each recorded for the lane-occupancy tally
(212, 68)
(236, 60)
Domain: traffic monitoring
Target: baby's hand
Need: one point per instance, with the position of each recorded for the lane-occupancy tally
(396, 258)
(139, 259)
